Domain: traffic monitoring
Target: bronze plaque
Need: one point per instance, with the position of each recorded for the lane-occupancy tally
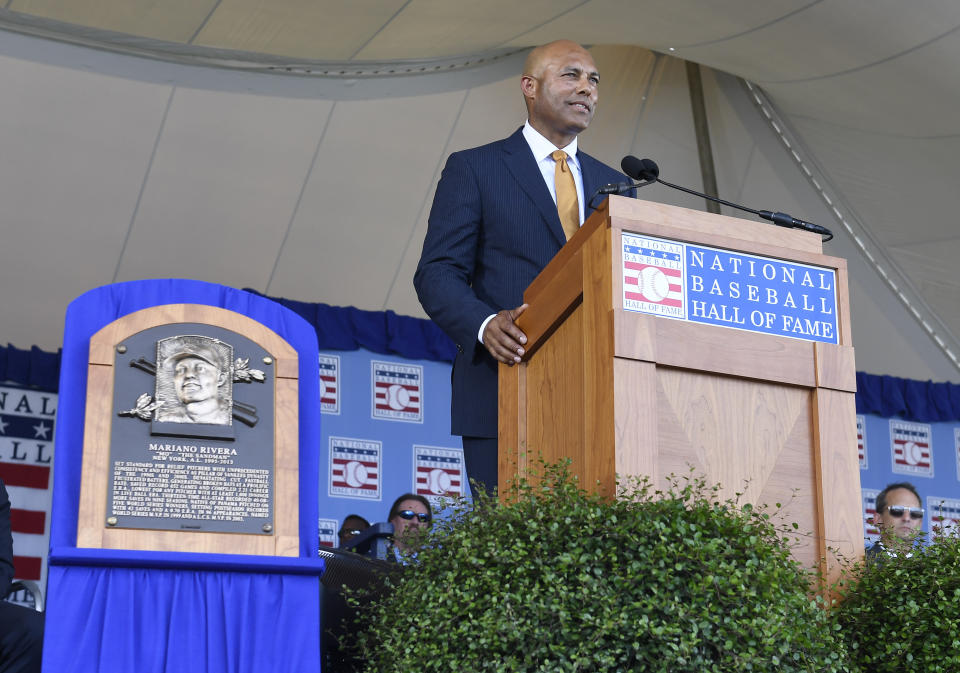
(192, 437)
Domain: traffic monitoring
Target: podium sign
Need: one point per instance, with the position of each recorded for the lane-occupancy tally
(731, 289)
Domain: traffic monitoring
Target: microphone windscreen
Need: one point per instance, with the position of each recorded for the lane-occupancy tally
(640, 169)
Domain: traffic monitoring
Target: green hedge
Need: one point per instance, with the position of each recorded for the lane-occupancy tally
(562, 580)
(903, 614)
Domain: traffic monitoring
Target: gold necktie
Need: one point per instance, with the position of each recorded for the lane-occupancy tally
(567, 205)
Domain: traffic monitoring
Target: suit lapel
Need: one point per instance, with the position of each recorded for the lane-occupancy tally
(521, 165)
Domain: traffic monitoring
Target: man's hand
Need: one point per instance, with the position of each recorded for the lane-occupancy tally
(503, 338)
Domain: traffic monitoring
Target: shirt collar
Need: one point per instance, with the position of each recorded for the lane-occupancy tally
(543, 148)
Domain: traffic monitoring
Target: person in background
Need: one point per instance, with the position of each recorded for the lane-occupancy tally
(21, 629)
(353, 525)
(899, 517)
(411, 516)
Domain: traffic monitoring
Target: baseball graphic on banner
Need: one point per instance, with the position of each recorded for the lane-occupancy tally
(397, 397)
(653, 284)
(440, 482)
(355, 474)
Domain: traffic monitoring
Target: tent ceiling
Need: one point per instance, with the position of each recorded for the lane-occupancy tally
(868, 90)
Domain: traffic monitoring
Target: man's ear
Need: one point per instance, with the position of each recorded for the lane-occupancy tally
(528, 86)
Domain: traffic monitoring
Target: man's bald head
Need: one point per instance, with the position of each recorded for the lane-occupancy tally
(543, 54)
(559, 86)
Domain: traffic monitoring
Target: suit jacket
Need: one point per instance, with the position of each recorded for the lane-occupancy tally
(492, 228)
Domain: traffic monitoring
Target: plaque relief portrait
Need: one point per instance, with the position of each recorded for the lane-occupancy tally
(194, 380)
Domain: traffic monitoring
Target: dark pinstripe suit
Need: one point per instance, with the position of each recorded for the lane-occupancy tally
(493, 227)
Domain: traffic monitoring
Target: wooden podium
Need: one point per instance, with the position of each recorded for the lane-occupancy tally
(623, 392)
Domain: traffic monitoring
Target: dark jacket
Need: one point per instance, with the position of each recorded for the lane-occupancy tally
(492, 229)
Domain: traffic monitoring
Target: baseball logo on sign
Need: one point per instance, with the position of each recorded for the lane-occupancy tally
(438, 472)
(355, 468)
(330, 384)
(397, 391)
(652, 276)
(911, 447)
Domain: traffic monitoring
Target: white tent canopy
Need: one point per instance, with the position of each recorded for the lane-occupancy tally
(293, 146)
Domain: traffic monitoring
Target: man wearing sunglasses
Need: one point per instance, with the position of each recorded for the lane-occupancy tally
(353, 525)
(411, 516)
(899, 517)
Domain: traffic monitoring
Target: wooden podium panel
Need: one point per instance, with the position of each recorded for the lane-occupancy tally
(770, 418)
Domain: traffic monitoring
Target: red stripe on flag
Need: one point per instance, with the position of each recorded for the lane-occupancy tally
(342, 483)
(28, 521)
(28, 476)
(26, 567)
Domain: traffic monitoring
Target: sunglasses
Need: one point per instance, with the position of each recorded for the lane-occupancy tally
(349, 532)
(408, 514)
(896, 511)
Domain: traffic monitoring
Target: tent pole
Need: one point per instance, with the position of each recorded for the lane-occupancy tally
(702, 129)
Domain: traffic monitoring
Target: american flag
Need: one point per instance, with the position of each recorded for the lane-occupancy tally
(26, 456)
(330, 384)
(911, 446)
(438, 471)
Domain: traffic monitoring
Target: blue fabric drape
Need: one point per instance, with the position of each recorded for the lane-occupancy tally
(347, 329)
(919, 401)
(33, 368)
(175, 621)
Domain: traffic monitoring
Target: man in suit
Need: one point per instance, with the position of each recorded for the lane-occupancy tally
(495, 225)
(898, 518)
(21, 629)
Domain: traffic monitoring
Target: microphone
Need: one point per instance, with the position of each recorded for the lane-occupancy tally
(647, 169)
(621, 187)
(640, 169)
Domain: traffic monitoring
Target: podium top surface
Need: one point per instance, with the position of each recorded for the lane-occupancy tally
(623, 210)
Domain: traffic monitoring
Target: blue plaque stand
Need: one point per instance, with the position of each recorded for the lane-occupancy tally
(145, 611)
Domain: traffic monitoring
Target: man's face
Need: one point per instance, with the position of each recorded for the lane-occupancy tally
(904, 526)
(562, 95)
(402, 525)
(195, 380)
(352, 527)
